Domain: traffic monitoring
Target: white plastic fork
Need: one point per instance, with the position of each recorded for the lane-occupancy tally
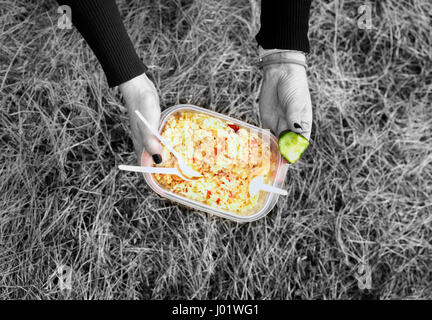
(173, 171)
(182, 164)
(258, 184)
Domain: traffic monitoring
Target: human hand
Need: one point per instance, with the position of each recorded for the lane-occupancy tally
(140, 94)
(284, 101)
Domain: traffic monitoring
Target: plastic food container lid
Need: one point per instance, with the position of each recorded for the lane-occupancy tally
(268, 201)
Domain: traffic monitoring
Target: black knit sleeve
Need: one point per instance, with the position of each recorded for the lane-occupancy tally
(100, 24)
(284, 24)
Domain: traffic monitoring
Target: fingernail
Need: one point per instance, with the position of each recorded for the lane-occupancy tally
(297, 126)
(157, 158)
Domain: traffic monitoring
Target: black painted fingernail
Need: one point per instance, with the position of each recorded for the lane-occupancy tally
(297, 126)
(157, 158)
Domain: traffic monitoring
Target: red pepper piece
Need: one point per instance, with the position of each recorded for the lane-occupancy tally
(234, 127)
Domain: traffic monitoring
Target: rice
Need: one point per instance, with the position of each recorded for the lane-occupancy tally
(227, 156)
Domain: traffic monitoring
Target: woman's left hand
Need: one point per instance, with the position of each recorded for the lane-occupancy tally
(140, 94)
(284, 100)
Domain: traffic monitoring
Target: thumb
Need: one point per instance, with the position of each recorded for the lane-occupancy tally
(153, 147)
(296, 101)
(149, 108)
(299, 118)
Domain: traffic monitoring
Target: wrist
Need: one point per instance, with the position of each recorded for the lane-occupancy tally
(132, 84)
(276, 56)
(294, 54)
(137, 87)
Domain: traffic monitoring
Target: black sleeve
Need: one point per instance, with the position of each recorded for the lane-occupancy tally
(100, 24)
(284, 24)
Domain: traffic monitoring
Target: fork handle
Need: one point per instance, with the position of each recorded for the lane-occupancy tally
(148, 169)
(269, 188)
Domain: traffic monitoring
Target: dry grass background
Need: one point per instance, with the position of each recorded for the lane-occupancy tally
(362, 194)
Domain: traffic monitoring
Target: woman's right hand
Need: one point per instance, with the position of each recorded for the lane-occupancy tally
(140, 94)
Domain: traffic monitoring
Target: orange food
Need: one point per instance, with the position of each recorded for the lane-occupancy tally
(228, 157)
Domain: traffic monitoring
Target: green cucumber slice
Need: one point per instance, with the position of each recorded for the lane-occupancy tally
(292, 145)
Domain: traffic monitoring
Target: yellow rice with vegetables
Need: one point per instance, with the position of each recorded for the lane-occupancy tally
(227, 156)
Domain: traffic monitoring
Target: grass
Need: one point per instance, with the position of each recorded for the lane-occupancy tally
(360, 196)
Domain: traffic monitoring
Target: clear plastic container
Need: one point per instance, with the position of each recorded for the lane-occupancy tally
(269, 199)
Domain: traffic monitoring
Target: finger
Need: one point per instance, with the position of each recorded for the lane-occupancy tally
(282, 126)
(151, 111)
(138, 146)
(146, 159)
(296, 101)
(267, 106)
(299, 119)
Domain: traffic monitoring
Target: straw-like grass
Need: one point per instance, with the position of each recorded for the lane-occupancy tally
(360, 196)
